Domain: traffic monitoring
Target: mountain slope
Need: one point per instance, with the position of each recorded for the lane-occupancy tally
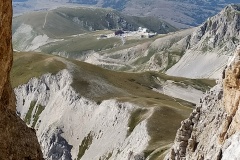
(84, 105)
(210, 46)
(72, 40)
(64, 21)
(184, 13)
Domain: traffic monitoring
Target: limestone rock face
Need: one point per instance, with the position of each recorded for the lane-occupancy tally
(70, 126)
(212, 131)
(231, 85)
(17, 141)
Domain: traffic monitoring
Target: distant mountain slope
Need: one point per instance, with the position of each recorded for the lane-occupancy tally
(210, 46)
(180, 13)
(67, 32)
(200, 52)
(71, 21)
(75, 106)
(129, 52)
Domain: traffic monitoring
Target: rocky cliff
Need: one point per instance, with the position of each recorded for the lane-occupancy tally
(212, 130)
(17, 141)
(70, 126)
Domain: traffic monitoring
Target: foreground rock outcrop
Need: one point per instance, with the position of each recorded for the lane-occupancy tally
(212, 131)
(17, 141)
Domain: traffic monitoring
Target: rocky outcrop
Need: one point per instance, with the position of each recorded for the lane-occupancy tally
(17, 141)
(212, 130)
(5, 54)
(231, 85)
(70, 126)
(218, 31)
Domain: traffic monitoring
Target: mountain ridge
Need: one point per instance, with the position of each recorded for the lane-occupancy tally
(128, 101)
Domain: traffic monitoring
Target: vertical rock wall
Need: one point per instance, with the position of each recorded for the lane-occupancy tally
(17, 141)
(5, 53)
(213, 129)
(231, 99)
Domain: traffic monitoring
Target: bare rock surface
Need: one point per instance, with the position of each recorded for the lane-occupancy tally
(17, 141)
(212, 130)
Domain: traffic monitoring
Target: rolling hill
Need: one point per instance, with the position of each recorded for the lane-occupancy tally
(70, 32)
(65, 21)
